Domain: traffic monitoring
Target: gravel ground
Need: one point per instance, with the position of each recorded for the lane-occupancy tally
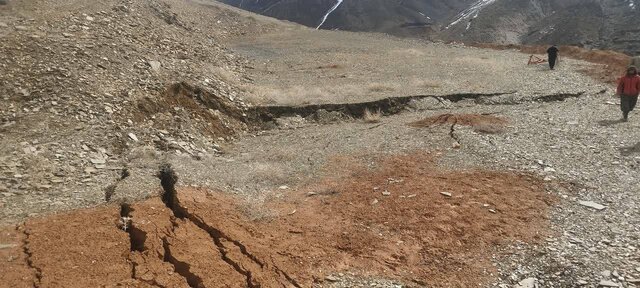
(576, 144)
(303, 66)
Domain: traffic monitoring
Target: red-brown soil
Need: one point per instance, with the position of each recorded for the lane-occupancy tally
(386, 218)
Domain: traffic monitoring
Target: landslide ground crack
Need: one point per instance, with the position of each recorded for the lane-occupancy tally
(29, 260)
(386, 106)
(168, 179)
(452, 131)
(137, 239)
(110, 190)
(182, 268)
(558, 97)
(392, 105)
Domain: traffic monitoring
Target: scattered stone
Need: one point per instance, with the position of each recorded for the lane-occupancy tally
(155, 65)
(549, 170)
(98, 161)
(44, 187)
(7, 246)
(605, 274)
(593, 205)
(386, 193)
(283, 187)
(607, 283)
(67, 35)
(633, 281)
(446, 194)
(374, 202)
(133, 137)
(90, 170)
(528, 283)
(331, 278)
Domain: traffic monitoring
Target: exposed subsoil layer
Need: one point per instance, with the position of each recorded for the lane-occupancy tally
(387, 218)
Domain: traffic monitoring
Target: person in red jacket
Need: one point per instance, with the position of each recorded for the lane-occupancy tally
(628, 89)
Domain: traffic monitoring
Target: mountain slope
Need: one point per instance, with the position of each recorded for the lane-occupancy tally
(588, 23)
(397, 17)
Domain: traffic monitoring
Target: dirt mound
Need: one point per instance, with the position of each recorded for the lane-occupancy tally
(405, 219)
(480, 122)
(614, 62)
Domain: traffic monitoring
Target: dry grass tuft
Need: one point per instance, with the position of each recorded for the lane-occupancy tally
(330, 66)
(225, 75)
(380, 87)
(421, 83)
(372, 117)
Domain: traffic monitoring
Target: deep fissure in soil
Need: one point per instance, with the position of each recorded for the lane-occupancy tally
(27, 252)
(387, 106)
(168, 179)
(182, 268)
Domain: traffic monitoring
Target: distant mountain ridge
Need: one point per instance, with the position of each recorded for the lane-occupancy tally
(399, 17)
(610, 24)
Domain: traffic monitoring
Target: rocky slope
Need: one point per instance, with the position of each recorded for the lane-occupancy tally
(86, 83)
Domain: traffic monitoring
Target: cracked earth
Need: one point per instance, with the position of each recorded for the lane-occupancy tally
(281, 156)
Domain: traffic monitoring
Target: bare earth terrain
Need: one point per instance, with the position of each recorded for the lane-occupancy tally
(188, 144)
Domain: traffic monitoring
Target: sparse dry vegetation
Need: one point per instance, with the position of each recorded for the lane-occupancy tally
(225, 75)
(372, 117)
(424, 83)
(301, 95)
(380, 87)
(330, 66)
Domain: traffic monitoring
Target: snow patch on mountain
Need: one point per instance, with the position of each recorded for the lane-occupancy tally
(472, 11)
(324, 18)
(632, 4)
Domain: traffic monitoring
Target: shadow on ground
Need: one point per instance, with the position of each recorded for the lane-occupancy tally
(630, 150)
(607, 123)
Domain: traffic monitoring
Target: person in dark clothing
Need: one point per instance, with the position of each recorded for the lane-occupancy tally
(553, 56)
(628, 89)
